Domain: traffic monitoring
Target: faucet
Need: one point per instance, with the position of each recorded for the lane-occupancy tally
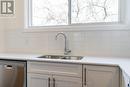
(66, 50)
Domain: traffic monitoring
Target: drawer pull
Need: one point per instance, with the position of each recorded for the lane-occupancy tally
(85, 83)
(49, 82)
(54, 82)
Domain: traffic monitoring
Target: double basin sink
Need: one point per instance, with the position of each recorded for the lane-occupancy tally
(64, 57)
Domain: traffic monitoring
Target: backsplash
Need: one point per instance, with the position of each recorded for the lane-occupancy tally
(2, 35)
(89, 43)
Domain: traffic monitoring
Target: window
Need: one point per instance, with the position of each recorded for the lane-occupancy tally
(70, 12)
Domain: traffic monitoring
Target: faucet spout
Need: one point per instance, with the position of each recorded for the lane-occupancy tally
(66, 50)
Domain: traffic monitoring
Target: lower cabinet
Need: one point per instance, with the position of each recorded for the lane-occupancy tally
(100, 76)
(44, 74)
(39, 80)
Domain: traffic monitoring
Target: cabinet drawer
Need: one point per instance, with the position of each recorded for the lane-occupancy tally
(55, 68)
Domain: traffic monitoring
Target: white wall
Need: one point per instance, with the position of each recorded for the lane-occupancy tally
(91, 43)
(2, 34)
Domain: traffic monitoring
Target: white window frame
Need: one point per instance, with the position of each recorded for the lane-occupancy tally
(121, 25)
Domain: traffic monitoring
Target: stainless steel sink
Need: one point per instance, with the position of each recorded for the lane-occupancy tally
(61, 57)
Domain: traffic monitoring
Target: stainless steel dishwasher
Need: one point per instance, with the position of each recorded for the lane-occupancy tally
(12, 73)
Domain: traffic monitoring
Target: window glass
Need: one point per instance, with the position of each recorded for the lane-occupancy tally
(87, 11)
(49, 12)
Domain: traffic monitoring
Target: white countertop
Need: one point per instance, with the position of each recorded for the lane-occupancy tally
(12, 56)
(123, 63)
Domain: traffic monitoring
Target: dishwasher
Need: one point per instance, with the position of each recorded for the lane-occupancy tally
(12, 73)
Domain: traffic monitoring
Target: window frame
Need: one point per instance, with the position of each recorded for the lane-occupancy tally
(121, 24)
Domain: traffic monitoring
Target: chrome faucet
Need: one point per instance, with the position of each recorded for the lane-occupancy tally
(66, 50)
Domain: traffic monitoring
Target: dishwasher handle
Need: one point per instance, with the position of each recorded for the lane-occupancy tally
(8, 67)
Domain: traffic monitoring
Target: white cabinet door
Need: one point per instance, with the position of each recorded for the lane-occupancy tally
(64, 81)
(38, 80)
(100, 76)
(125, 80)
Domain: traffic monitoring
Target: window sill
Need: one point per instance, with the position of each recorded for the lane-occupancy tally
(76, 28)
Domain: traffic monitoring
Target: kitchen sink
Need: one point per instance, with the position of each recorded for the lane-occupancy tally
(65, 57)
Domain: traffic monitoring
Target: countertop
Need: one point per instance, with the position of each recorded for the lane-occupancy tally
(123, 63)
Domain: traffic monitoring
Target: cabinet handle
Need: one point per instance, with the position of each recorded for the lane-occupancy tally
(85, 83)
(49, 82)
(54, 82)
